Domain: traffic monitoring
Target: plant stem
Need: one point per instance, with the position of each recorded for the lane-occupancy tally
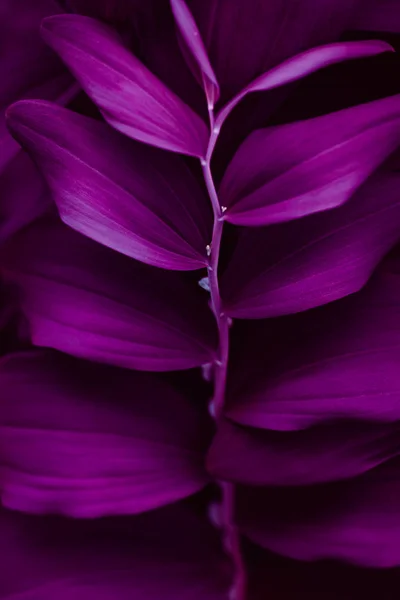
(221, 319)
(230, 531)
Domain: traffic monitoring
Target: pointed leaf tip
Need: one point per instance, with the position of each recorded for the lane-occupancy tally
(356, 521)
(130, 97)
(85, 440)
(304, 64)
(302, 264)
(137, 200)
(196, 50)
(337, 363)
(329, 452)
(286, 172)
(86, 300)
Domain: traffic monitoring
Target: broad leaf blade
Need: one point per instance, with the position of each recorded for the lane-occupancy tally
(356, 521)
(88, 301)
(304, 64)
(321, 454)
(129, 96)
(337, 362)
(286, 172)
(134, 199)
(195, 47)
(296, 266)
(144, 556)
(247, 37)
(86, 440)
(28, 69)
(317, 58)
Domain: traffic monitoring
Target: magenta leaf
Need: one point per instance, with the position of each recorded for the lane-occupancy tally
(357, 521)
(285, 172)
(247, 37)
(35, 72)
(115, 558)
(304, 64)
(22, 199)
(86, 300)
(137, 200)
(295, 266)
(320, 454)
(61, 89)
(26, 62)
(28, 69)
(196, 49)
(317, 58)
(129, 96)
(338, 362)
(86, 440)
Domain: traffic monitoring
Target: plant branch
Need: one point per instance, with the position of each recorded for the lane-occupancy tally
(230, 531)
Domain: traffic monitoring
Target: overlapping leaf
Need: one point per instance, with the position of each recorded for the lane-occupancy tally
(26, 62)
(357, 521)
(320, 454)
(129, 96)
(295, 266)
(60, 89)
(156, 36)
(134, 199)
(196, 52)
(86, 300)
(337, 362)
(285, 172)
(86, 440)
(247, 37)
(304, 64)
(28, 69)
(22, 199)
(170, 553)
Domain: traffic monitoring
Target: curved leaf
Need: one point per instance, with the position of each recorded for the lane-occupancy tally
(295, 266)
(337, 362)
(26, 62)
(35, 72)
(85, 440)
(317, 455)
(134, 199)
(171, 553)
(357, 521)
(304, 64)
(195, 46)
(247, 37)
(24, 198)
(88, 301)
(28, 69)
(129, 96)
(286, 172)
